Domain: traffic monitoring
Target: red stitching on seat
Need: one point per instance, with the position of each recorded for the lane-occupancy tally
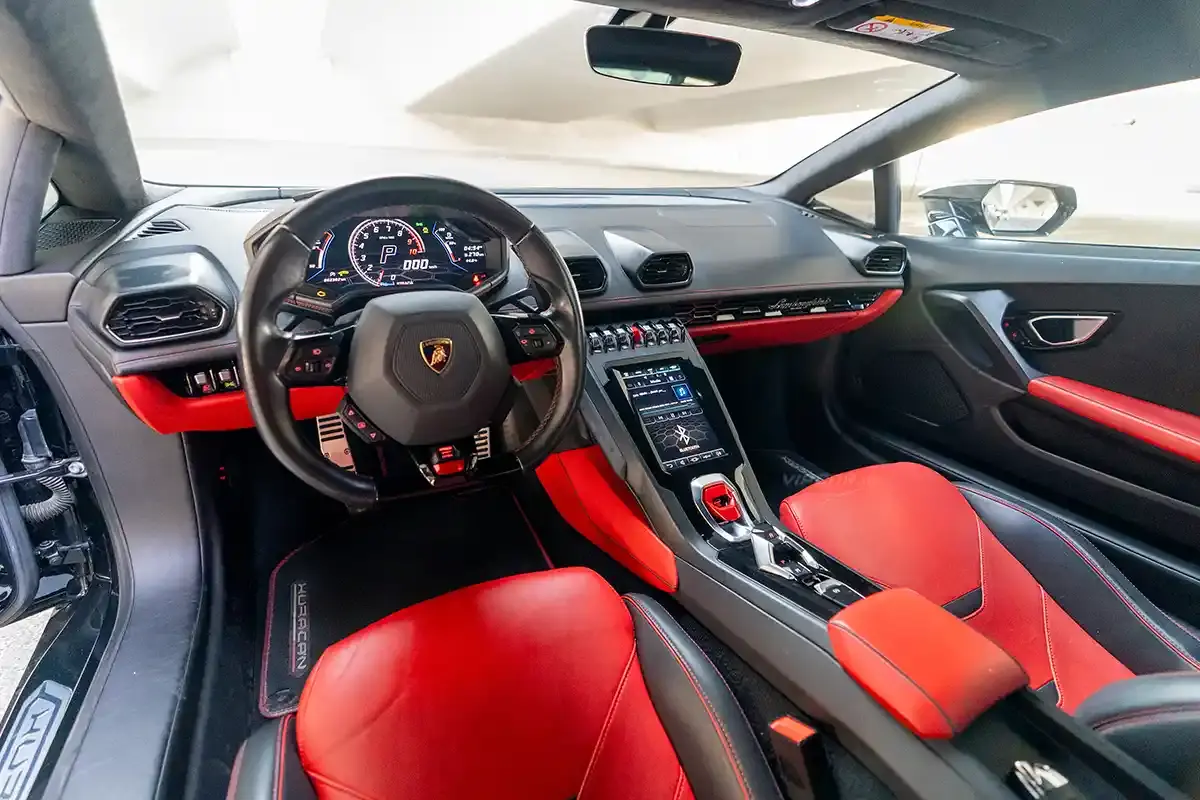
(982, 571)
(612, 712)
(712, 716)
(235, 773)
(1058, 687)
(281, 756)
(1099, 573)
(679, 785)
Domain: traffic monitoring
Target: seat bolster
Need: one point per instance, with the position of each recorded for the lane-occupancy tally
(268, 765)
(1088, 586)
(703, 720)
(1155, 719)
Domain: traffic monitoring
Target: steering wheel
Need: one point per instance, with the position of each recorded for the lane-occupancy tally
(422, 368)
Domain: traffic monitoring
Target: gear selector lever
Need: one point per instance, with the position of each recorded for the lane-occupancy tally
(775, 553)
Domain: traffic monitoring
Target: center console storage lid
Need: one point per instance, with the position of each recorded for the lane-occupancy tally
(933, 672)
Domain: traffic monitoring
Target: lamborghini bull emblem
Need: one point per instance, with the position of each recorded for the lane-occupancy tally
(436, 353)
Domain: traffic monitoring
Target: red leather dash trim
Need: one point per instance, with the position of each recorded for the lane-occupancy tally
(530, 370)
(788, 330)
(166, 412)
(1165, 428)
(598, 504)
(931, 670)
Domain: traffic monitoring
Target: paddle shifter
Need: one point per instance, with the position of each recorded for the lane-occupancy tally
(775, 552)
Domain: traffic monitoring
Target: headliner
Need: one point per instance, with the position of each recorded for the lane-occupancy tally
(1158, 41)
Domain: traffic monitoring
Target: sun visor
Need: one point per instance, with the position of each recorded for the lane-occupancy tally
(949, 32)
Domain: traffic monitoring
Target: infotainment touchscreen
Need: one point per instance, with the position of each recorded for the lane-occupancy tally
(670, 413)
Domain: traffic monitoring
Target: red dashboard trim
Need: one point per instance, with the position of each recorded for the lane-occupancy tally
(531, 370)
(1165, 428)
(776, 331)
(166, 412)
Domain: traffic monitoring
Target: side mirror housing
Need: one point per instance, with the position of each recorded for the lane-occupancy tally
(998, 208)
(661, 57)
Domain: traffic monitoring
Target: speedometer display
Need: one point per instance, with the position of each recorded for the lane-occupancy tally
(389, 252)
(369, 253)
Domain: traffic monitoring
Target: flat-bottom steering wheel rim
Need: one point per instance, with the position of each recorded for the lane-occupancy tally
(277, 267)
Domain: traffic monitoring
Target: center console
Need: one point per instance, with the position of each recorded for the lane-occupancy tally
(677, 432)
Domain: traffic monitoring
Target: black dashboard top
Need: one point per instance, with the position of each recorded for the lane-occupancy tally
(741, 243)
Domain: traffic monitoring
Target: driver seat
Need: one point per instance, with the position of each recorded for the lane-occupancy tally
(546, 686)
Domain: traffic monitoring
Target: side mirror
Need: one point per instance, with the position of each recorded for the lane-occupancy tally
(998, 208)
(661, 57)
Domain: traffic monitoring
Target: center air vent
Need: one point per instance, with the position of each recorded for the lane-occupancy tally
(589, 274)
(665, 270)
(885, 261)
(158, 227)
(165, 315)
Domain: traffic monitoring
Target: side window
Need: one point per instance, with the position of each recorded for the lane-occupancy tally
(854, 197)
(1117, 170)
(50, 201)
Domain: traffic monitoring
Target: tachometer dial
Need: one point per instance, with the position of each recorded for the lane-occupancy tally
(389, 252)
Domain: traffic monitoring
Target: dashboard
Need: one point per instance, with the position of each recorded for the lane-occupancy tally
(366, 255)
(761, 265)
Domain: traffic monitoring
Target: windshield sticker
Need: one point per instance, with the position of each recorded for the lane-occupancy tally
(899, 29)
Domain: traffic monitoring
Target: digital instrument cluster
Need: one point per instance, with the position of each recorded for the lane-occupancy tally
(373, 253)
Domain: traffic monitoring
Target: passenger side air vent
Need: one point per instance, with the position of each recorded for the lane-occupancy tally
(665, 270)
(885, 261)
(158, 227)
(165, 315)
(790, 305)
(589, 274)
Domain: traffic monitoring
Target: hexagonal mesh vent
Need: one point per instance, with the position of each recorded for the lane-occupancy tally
(588, 273)
(168, 314)
(886, 261)
(665, 269)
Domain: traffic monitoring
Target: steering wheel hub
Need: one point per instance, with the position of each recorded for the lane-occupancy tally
(427, 367)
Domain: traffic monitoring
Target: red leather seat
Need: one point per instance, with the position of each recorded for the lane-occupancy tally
(542, 686)
(1031, 583)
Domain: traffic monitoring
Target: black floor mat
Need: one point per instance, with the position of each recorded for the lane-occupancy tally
(380, 563)
(782, 473)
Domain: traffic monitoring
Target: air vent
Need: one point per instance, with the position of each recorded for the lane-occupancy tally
(665, 270)
(589, 274)
(885, 261)
(790, 305)
(165, 315)
(160, 226)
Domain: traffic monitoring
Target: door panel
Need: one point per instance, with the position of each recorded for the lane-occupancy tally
(950, 368)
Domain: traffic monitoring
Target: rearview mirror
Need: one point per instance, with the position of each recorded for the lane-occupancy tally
(661, 57)
(998, 208)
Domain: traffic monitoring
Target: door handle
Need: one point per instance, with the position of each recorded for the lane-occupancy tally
(1052, 331)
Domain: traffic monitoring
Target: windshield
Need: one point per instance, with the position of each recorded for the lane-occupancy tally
(320, 92)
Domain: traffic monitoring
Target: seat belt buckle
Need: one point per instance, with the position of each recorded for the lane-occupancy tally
(802, 760)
